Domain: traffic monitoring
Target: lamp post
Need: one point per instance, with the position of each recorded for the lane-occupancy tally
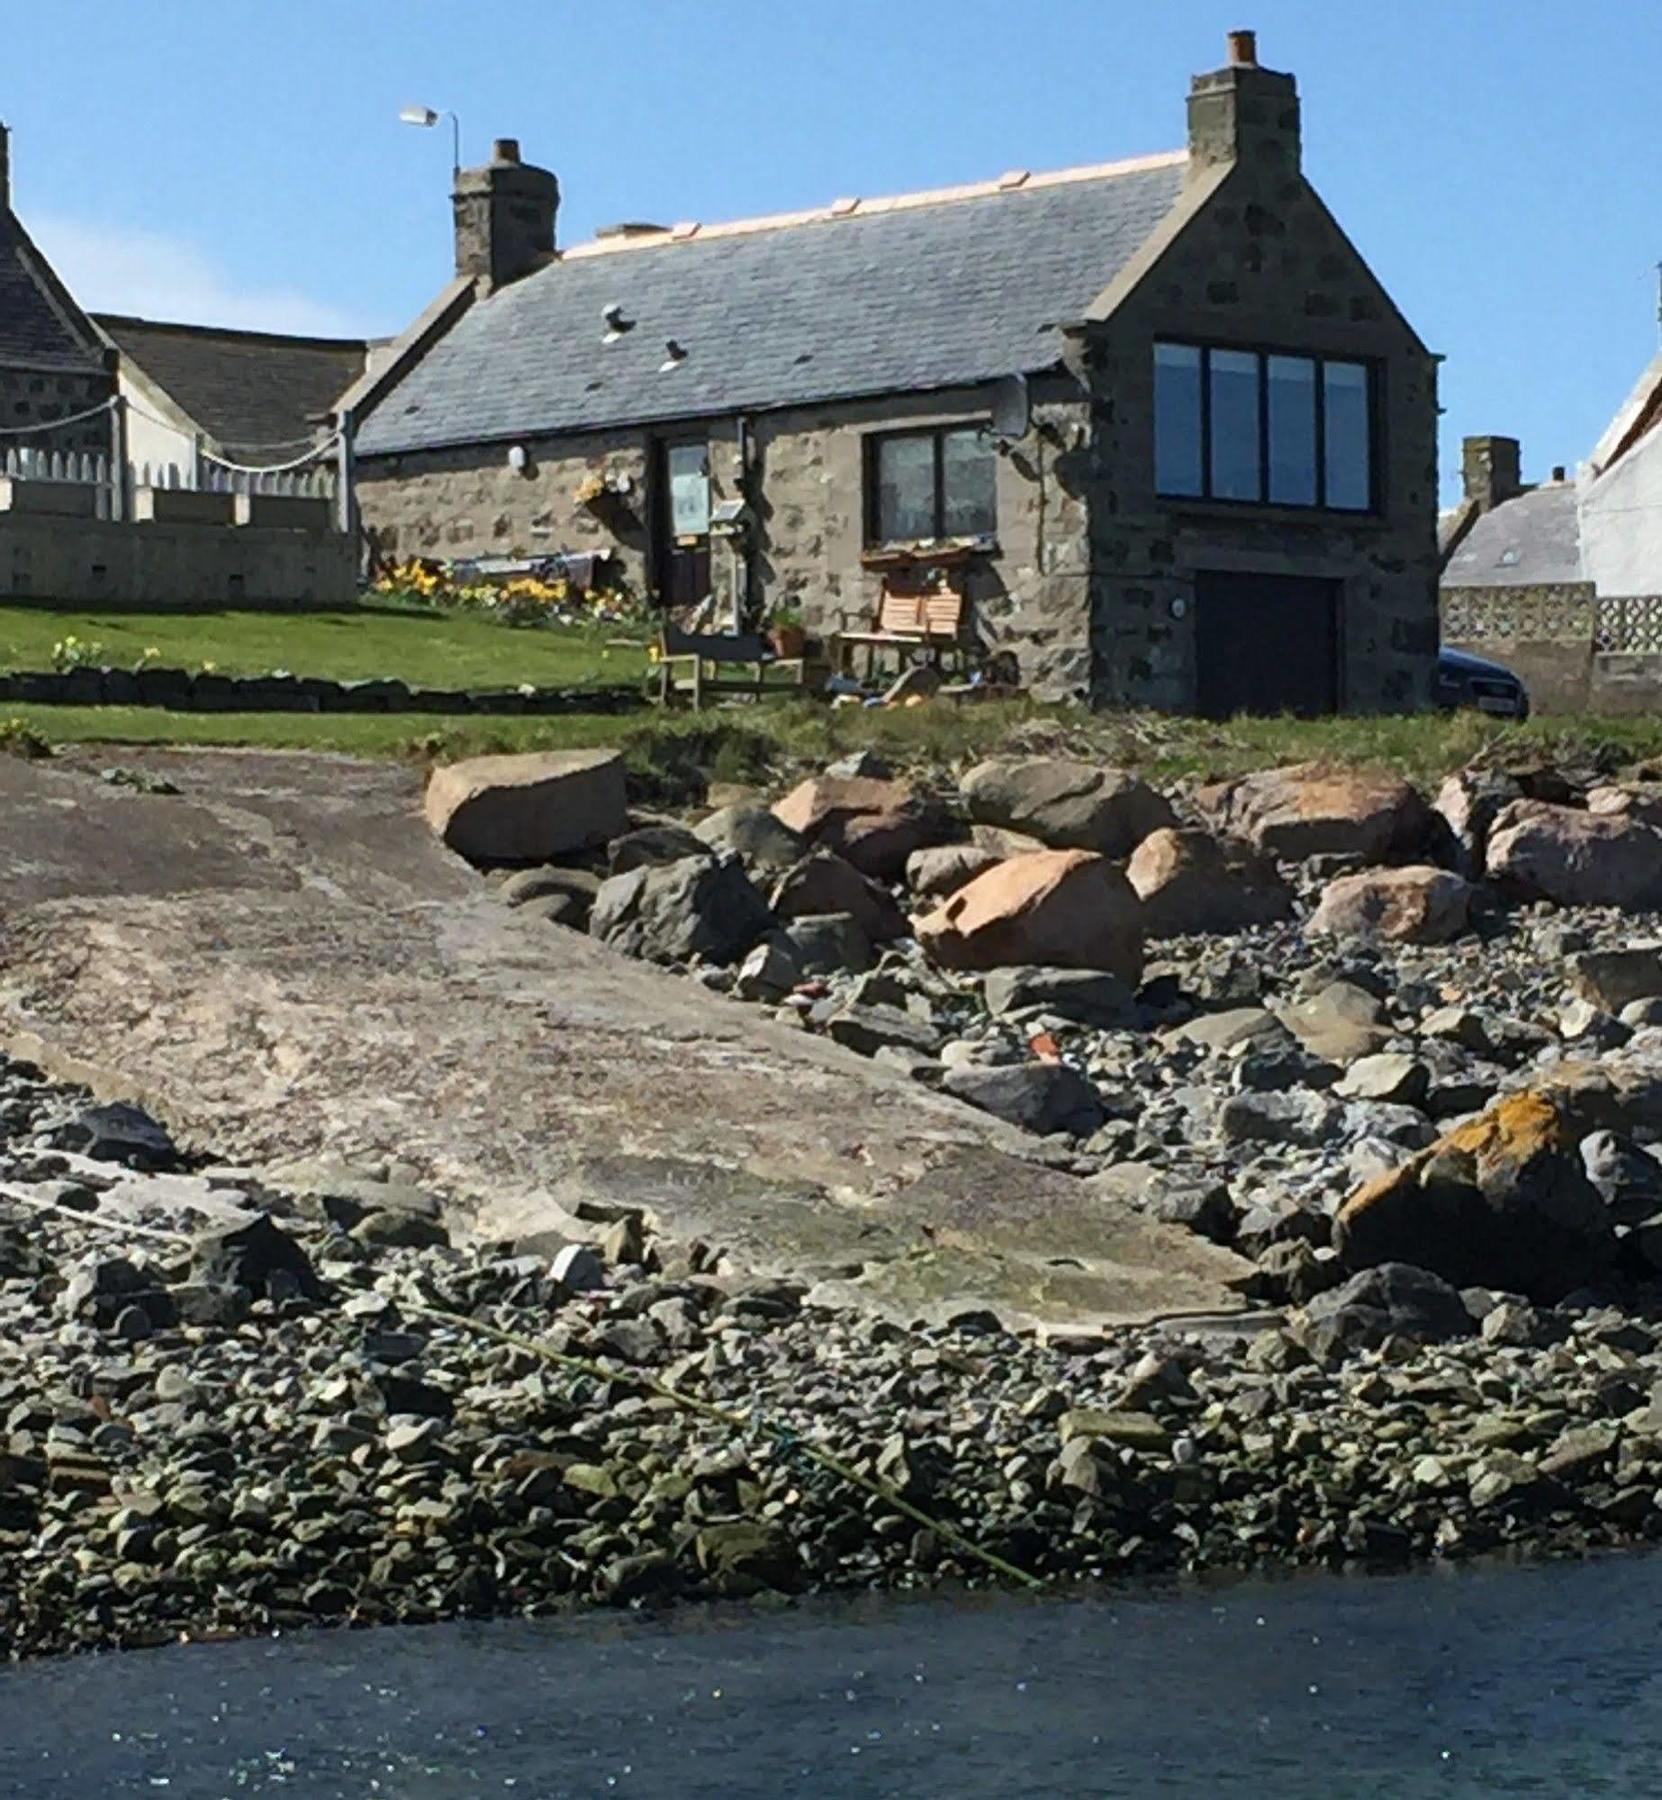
(428, 117)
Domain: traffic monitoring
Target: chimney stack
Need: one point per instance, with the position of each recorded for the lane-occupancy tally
(1243, 113)
(1491, 470)
(505, 216)
(5, 168)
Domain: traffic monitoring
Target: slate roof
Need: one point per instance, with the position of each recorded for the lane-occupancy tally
(1531, 539)
(35, 330)
(908, 296)
(256, 394)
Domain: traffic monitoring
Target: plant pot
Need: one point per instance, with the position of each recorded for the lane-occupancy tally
(788, 640)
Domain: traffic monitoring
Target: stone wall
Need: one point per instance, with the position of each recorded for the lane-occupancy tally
(98, 561)
(30, 397)
(468, 501)
(807, 467)
(1575, 651)
(1262, 265)
(1028, 596)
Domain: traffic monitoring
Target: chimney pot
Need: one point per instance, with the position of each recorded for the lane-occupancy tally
(505, 150)
(1558, 471)
(1245, 114)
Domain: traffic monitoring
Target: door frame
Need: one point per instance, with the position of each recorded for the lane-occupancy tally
(662, 547)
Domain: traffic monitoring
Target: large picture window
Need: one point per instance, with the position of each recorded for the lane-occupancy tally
(931, 484)
(1263, 427)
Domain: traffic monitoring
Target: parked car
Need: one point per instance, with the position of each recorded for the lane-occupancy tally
(1467, 680)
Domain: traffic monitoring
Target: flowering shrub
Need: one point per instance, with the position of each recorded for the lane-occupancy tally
(523, 600)
(76, 653)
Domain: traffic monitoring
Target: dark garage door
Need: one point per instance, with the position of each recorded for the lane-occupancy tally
(1266, 644)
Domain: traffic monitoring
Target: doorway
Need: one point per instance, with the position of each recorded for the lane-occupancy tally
(1265, 644)
(681, 523)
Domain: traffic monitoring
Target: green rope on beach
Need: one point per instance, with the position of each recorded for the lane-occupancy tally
(790, 1441)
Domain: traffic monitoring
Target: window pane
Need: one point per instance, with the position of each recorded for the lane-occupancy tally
(1292, 400)
(905, 488)
(1176, 419)
(1349, 443)
(969, 478)
(1235, 471)
(689, 490)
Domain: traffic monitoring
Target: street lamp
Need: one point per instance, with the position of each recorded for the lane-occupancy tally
(425, 115)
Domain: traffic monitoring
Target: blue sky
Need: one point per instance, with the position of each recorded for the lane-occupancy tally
(242, 162)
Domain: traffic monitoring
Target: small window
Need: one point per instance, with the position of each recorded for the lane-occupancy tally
(1261, 427)
(688, 467)
(931, 484)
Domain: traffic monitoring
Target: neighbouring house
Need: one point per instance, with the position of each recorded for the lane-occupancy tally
(1562, 579)
(1157, 418)
(79, 522)
(54, 363)
(254, 399)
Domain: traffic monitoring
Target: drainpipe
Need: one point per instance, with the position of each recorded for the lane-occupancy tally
(741, 542)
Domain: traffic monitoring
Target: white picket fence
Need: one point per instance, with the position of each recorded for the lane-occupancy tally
(84, 469)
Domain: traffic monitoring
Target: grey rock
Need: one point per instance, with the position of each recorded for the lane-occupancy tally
(1612, 979)
(578, 1269)
(763, 843)
(769, 971)
(1389, 1076)
(1067, 805)
(650, 846)
(938, 871)
(1341, 1023)
(828, 944)
(388, 1230)
(1393, 1300)
(578, 886)
(868, 1029)
(1292, 1118)
(1085, 996)
(824, 882)
(1629, 1181)
(1225, 1030)
(673, 912)
(254, 1256)
(117, 1133)
(1039, 1097)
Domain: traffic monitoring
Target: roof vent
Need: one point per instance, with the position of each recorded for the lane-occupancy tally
(630, 228)
(840, 209)
(615, 322)
(674, 356)
(1014, 178)
(686, 228)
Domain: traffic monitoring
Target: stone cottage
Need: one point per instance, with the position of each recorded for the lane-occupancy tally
(1156, 418)
(54, 363)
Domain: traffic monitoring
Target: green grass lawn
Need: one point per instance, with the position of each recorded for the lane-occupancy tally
(425, 648)
(672, 755)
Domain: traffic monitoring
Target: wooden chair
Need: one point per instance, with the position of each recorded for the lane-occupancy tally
(920, 614)
(691, 663)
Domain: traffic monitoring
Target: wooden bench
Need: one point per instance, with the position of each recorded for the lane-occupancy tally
(915, 616)
(691, 663)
